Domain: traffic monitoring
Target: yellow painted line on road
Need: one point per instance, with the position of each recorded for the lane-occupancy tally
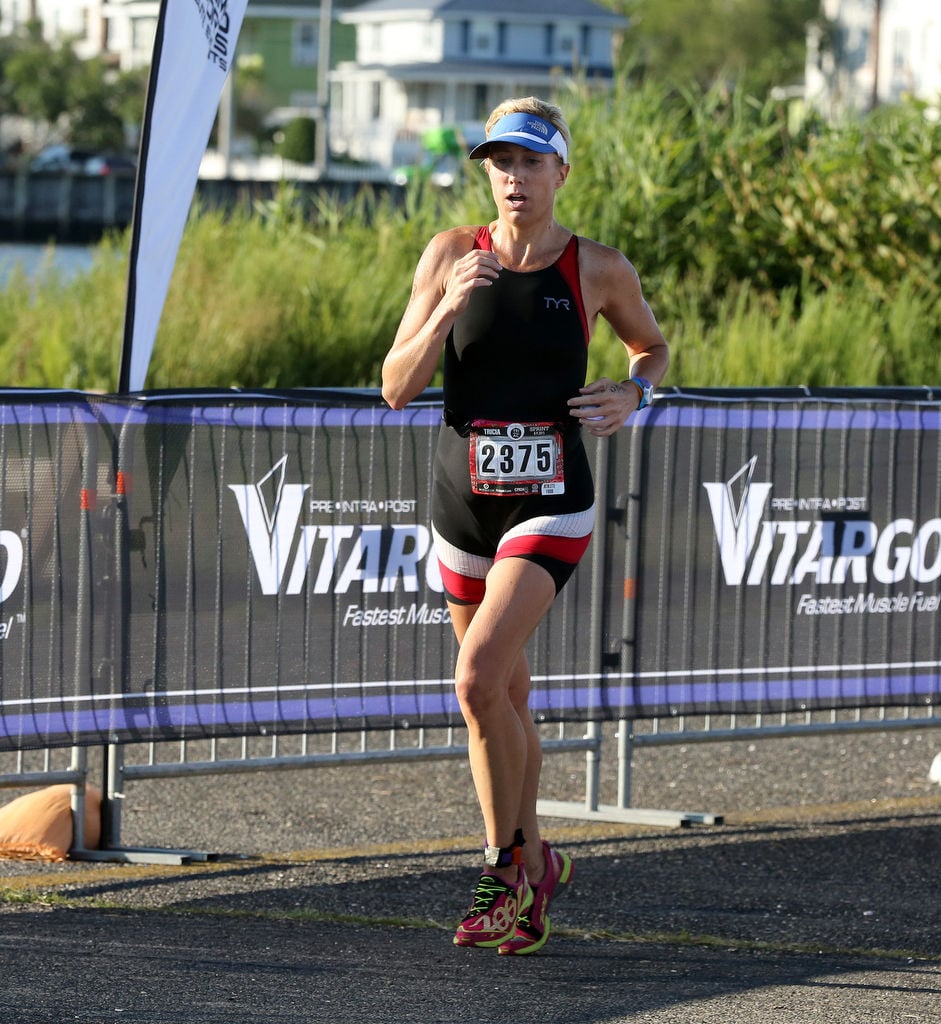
(80, 875)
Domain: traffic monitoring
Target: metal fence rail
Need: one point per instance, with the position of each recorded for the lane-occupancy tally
(634, 736)
(125, 764)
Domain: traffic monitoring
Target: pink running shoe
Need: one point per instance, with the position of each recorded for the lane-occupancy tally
(532, 926)
(493, 916)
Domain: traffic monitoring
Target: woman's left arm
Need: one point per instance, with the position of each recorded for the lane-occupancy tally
(612, 289)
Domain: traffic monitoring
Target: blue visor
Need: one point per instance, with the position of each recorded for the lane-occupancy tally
(525, 130)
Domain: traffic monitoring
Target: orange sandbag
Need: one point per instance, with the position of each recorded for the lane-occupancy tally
(38, 826)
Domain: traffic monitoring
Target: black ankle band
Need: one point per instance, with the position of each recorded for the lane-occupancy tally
(505, 856)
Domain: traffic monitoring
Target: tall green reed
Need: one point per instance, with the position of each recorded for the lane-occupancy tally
(774, 250)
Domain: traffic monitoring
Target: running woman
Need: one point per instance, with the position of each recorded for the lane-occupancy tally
(512, 306)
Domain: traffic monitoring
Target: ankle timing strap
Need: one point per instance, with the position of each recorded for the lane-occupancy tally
(504, 856)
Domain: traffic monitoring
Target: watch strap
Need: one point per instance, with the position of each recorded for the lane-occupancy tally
(644, 389)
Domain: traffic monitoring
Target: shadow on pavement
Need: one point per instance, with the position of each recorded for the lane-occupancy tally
(722, 926)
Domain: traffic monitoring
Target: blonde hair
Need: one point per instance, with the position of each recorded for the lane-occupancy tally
(531, 105)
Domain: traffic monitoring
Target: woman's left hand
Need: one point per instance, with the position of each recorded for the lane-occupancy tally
(604, 405)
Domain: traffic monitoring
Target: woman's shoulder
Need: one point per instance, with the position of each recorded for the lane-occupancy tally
(596, 258)
(459, 240)
(596, 250)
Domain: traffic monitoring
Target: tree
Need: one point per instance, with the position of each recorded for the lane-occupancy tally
(758, 43)
(85, 101)
(94, 123)
(37, 76)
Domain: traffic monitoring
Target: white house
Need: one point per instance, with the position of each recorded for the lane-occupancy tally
(123, 29)
(421, 64)
(879, 52)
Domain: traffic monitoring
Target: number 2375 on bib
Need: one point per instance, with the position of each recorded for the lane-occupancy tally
(516, 458)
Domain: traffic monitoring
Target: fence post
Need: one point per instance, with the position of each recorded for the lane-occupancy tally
(625, 754)
(599, 559)
(79, 766)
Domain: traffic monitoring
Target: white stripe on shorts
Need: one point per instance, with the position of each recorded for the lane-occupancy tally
(572, 524)
(462, 562)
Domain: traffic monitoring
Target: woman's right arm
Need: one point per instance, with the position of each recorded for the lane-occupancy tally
(447, 273)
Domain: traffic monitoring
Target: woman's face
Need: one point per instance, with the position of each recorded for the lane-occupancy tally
(524, 182)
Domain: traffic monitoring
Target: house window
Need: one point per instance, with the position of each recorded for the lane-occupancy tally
(901, 48)
(482, 42)
(481, 104)
(502, 37)
(465, 36)
(305, 43)
(143, 31)
(585, 45)
(549, 40)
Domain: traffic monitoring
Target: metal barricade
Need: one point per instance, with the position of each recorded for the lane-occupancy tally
(721, 552)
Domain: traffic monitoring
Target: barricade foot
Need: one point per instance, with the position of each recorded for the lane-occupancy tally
(626, 815)
(144, 855)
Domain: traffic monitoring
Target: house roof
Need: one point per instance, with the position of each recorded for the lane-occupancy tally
(291, 8)
(467, 70)
(581, 10)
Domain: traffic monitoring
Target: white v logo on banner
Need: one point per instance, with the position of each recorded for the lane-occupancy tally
(737, 518)
(270, 522)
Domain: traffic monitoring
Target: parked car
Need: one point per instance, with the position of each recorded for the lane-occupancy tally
(59, 158)
(111, 163)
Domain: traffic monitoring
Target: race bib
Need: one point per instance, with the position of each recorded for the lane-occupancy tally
(516, 458)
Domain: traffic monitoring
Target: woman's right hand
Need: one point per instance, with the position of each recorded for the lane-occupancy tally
(449, 271)
(475, 269)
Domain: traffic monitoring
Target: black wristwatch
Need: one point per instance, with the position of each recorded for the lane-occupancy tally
(645, 388)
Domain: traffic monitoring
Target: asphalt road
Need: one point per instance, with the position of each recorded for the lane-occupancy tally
(336, 889)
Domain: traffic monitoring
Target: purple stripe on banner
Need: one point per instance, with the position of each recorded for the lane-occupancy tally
(245, 410)
(91, 721)
(246, 414)
(617, 697)
(725, 694)
(726, 416)
(48, 413)
(53, 408)
(711, 414)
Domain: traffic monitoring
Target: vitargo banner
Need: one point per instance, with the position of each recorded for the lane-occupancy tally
(208, 564)
(789, 557)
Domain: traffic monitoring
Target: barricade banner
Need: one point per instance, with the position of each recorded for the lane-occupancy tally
(270, 570)
(210, 564)
(52, 623)
(788, 556)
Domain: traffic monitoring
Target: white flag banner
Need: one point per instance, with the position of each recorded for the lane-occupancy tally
(194, 48)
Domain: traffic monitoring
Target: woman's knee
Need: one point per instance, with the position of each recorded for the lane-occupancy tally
(475, 698)
(479, 692)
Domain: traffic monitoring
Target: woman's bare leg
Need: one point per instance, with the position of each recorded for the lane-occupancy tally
(492, 685)
(528, 822)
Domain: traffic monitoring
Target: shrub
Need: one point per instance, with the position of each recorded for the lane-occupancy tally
(300, 140)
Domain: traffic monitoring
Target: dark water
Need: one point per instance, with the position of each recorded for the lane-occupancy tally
(36, 260)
